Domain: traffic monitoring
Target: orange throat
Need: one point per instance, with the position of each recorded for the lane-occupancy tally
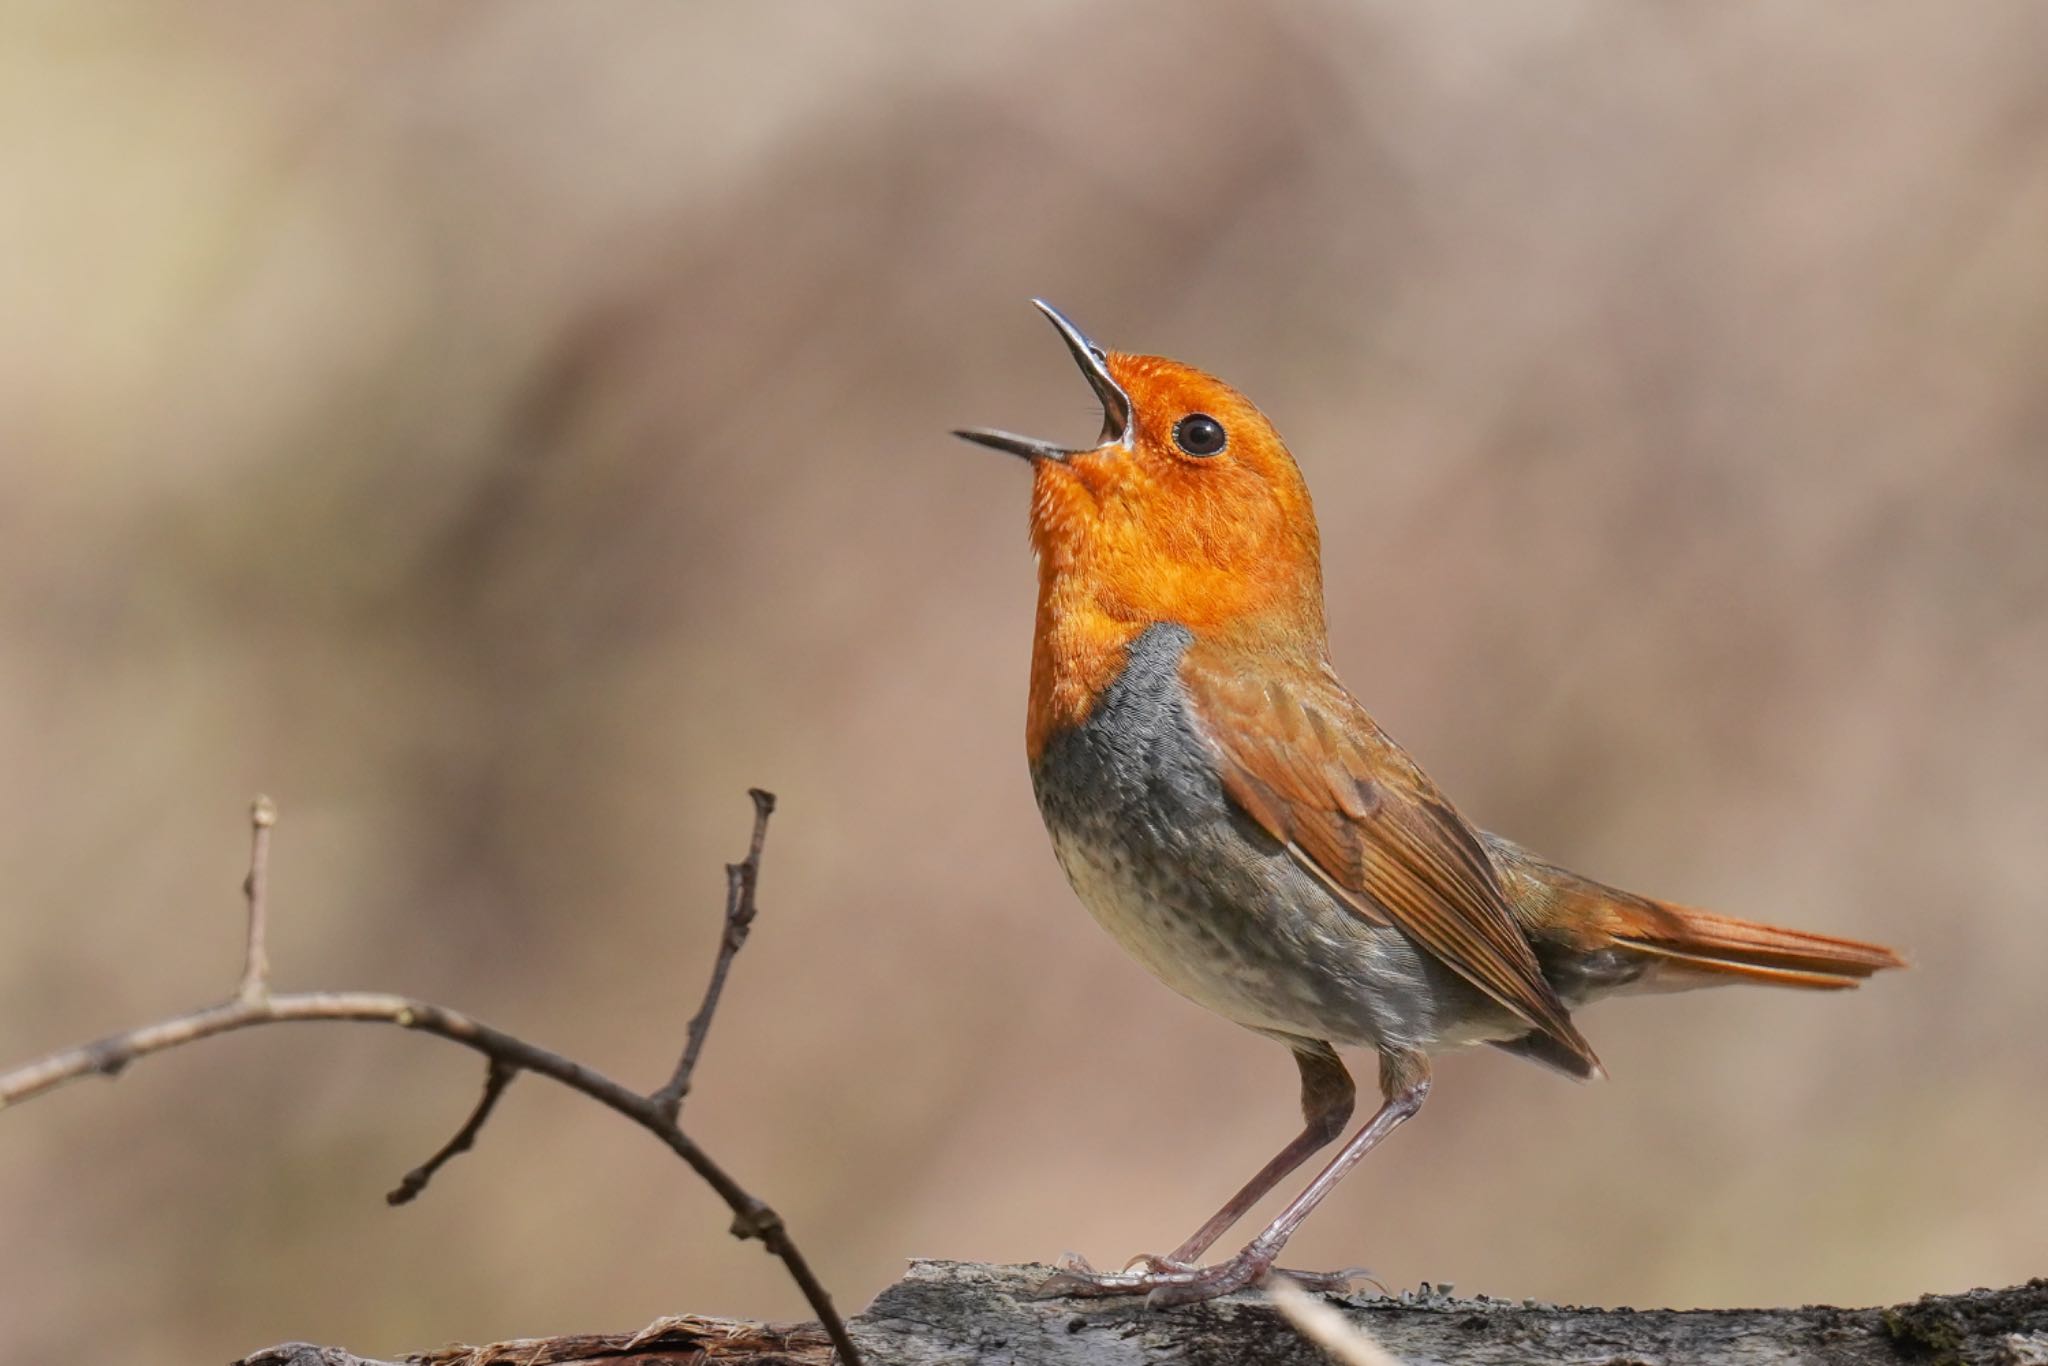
(1077, 651)
(1086, 622)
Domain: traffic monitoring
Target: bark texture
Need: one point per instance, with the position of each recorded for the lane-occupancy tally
(953, 1313)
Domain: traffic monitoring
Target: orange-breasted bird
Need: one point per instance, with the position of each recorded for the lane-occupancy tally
(1234, 818)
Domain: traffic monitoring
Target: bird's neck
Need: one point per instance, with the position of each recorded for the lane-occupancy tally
(1085, 628)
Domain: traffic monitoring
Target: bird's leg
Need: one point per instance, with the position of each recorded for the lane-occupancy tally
(1327, 1099)
(1404, 1080)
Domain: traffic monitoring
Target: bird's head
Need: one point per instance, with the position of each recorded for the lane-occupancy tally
(1187, 509)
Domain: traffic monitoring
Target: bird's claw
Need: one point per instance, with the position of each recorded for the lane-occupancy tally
(1078, 1277)
(1159, 1265)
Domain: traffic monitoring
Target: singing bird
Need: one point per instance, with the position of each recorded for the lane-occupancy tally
(1234, 818)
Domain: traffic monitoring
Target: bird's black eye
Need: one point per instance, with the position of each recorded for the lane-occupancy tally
(1199, 434)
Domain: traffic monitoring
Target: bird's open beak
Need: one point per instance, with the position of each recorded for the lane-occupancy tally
(1116, 404)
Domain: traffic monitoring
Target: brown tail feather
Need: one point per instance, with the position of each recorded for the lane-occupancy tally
(1763, 953)
(1559, 907)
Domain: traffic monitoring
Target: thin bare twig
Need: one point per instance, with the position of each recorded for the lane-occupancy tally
(740, 880)
(253, 1005)
(1342, 1338)
(497, 1077)
(256, 887)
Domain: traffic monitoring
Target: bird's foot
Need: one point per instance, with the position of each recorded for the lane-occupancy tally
(1077, 1276)
(1165, 1282)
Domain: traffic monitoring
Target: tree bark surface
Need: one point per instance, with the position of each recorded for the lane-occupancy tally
(954, 1313)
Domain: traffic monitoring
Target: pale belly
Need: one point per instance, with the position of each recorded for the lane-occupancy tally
(1212, 954)
(1254, 940)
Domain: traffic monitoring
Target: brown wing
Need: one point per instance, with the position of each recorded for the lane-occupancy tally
(1303, 760)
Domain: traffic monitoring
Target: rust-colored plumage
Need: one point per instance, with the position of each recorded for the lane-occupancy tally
(1236, 819)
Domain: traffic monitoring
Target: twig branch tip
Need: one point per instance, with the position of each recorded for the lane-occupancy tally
(740, 881)
(255, 984)
(497, 1077)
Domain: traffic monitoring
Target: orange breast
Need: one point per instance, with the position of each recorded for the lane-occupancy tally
(1077, 651)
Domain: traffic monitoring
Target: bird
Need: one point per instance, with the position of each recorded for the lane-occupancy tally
(1239, 824)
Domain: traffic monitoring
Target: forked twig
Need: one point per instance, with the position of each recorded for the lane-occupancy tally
(253, 1004)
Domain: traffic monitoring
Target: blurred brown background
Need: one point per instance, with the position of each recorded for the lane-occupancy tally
(506, 431)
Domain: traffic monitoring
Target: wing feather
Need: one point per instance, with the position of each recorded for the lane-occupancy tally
(1304, 761)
